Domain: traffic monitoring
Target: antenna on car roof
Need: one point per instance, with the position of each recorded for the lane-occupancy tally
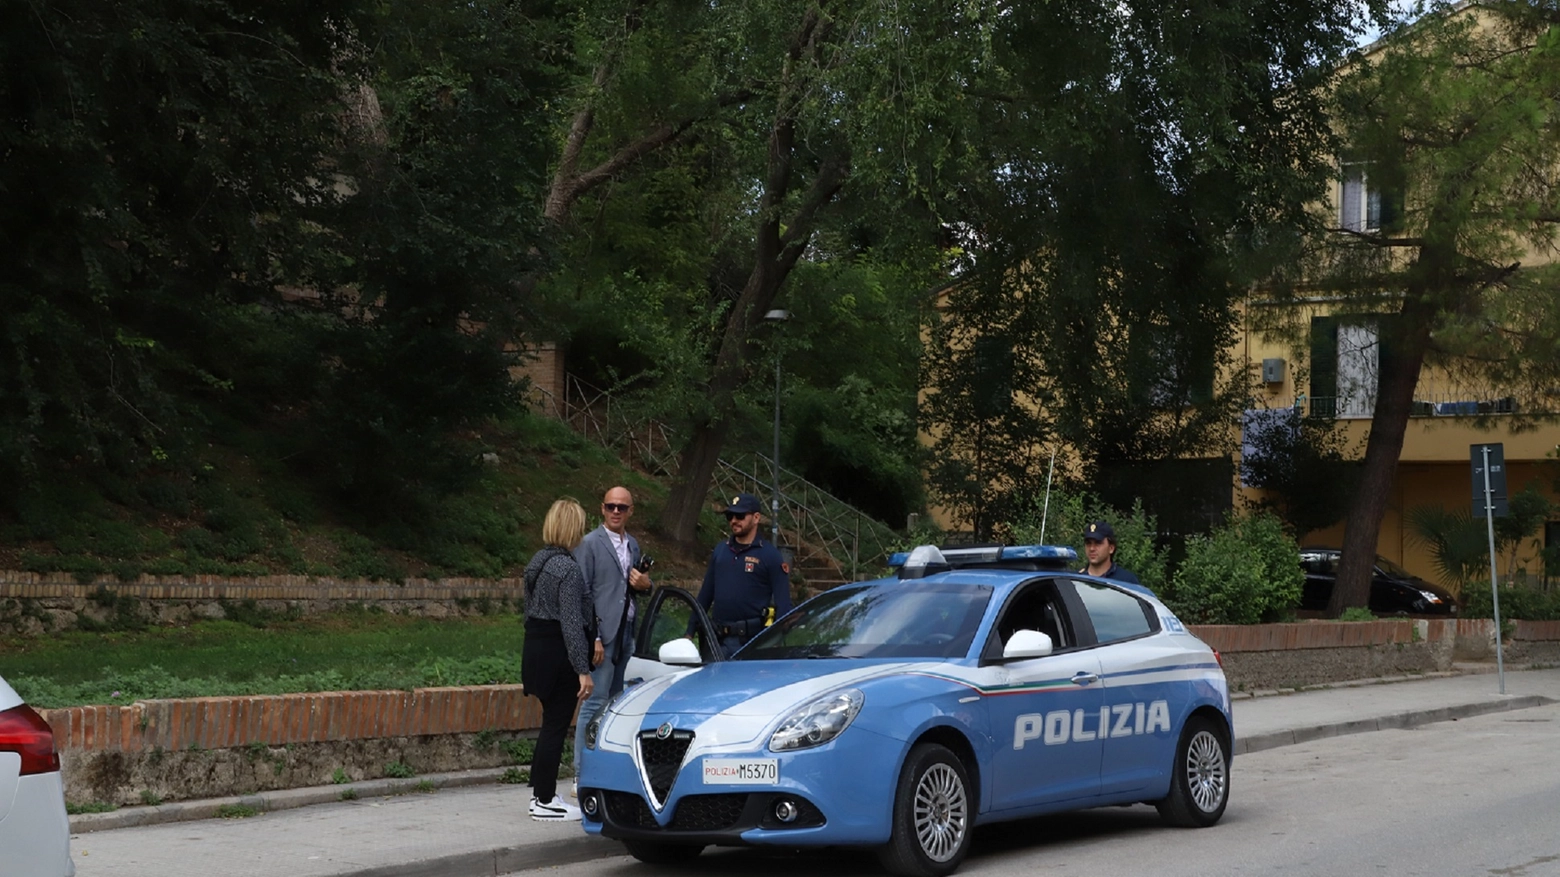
(1046, 510)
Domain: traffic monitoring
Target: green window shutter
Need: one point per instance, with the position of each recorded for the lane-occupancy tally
(1324, 367)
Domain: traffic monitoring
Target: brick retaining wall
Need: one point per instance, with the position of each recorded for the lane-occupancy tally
(217, 746)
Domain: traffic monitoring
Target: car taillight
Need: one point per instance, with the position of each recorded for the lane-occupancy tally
(25, 732)
(1218, 657)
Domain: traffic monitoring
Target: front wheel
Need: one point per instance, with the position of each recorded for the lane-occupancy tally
(1199, 776)
(653, 852)
(933, 815)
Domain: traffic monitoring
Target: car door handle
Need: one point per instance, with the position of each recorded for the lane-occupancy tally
(1083, 678)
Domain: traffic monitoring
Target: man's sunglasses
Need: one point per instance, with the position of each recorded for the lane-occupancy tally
(735, 516)
(616, 506)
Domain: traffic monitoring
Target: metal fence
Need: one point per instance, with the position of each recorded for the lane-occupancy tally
(856, 545)
(833, 541)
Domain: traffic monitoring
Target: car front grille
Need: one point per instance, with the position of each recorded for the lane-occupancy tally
(662, 753)
(708, 812)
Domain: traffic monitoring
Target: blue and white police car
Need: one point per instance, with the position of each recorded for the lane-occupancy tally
(975, 686)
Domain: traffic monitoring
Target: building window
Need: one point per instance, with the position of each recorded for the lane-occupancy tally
(1346, 357)
(1362, 206)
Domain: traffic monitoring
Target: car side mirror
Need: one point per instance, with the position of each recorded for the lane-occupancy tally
(1023, 644)
(680, 651)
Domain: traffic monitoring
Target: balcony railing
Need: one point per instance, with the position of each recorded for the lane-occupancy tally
(1442, 405)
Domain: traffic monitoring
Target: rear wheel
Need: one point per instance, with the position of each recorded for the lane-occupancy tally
(654, 852)
(1199, 778)
(933, 815)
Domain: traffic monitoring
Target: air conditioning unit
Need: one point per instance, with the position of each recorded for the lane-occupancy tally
(1272, 371)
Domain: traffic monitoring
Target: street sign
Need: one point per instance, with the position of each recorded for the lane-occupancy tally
(1489, 502)
(1495, 484)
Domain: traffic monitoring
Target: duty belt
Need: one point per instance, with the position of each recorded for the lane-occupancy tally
(744, 629)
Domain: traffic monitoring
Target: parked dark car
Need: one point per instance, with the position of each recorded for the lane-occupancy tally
(1393, 589)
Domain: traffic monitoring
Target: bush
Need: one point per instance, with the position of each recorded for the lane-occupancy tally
(1245, 572)
(1069, 513)
(1516, 601)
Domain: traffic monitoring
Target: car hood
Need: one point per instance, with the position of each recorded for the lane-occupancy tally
(753, 688)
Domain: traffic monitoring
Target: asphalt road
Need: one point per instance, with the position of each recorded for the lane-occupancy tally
(1478, 796)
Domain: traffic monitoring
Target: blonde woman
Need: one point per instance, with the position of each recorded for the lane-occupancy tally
(555, 662)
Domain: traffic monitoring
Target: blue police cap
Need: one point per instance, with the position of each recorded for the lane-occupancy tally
(744, 504)
(1099, 531)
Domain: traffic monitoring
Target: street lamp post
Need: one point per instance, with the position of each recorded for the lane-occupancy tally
(776, 316)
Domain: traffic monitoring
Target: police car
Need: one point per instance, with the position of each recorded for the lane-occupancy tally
(973, 687)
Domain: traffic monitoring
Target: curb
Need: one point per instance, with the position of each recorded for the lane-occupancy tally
(503, 860)
(1412, 719)
(280, 799)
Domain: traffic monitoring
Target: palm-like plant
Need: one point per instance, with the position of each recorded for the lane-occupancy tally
(1458, 544)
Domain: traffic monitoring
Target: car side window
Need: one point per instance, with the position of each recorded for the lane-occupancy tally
(1115, 614)
(1035, 606)
(1319, 564)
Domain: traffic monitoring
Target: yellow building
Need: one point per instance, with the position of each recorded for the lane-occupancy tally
(1330, 373)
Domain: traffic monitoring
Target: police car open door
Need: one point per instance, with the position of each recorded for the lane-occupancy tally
(671, 614)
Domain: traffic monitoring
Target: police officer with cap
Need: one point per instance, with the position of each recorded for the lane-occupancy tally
(745, 576)
(1099, 546)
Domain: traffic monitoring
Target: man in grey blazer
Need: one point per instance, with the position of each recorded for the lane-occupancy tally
(607, 557)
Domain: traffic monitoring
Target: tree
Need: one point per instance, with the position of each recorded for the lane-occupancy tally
(298, 222)
(1141, 164)
(1454, 126)
(162, 175)
(788, 134)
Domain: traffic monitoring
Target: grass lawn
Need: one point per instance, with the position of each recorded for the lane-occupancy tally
(353, 651)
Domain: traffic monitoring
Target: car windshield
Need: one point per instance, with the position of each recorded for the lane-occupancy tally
(891, 620)
(1392, 569)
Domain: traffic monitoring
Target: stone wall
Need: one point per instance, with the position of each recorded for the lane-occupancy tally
(35, 603)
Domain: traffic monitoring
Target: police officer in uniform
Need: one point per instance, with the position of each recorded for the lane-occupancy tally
(1099, 546)
(746, 575)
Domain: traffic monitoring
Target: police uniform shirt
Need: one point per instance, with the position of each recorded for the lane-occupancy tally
(742, 581)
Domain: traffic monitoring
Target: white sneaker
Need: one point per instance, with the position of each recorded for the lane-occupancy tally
(576, 788)
(556, 810)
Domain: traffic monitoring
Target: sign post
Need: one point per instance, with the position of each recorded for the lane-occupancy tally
(1489, 500)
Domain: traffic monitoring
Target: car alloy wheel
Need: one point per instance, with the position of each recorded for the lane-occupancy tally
(932, 818)
(1199, 776)
(1205, 771)
(941, 813)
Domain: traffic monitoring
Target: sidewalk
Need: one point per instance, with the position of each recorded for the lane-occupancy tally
(471, 826)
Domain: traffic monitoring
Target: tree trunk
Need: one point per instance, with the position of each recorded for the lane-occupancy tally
(1399, 374)
(777, 247)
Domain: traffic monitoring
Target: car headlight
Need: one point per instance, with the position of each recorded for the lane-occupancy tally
(1430, 596)
(592, 730)
(818, 721)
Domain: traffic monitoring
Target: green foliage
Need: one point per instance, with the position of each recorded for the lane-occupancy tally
(515, 776)
(399, 770)
(424, 786)
(150, 798)
(348, 795)
(520, 750)
(1459, 544)
(1516, 601)
(189, 274)
(1360, 613)
(371, 651)
(1070, 512)
(236, 811)
(339, 777)
(90, 807)
(1245, 572)
(1117, 323)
